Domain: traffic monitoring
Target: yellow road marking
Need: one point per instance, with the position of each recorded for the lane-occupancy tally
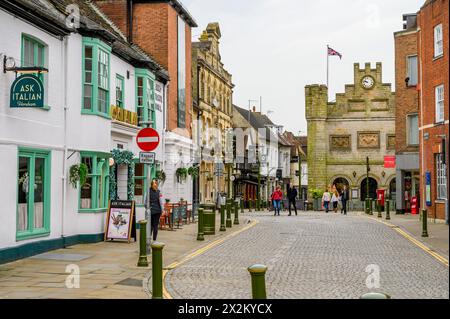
(200, 251)
(414, 241)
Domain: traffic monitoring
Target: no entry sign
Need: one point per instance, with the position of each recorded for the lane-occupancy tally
(147, 139)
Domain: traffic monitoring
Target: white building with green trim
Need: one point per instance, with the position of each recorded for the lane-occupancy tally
(98, 91)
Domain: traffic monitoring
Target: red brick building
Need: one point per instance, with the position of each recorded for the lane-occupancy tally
(406, 185)
(433, 36)
(162, 28)
(156, 27)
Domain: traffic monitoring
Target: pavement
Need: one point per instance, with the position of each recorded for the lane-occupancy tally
(314, 256)
(107, 269)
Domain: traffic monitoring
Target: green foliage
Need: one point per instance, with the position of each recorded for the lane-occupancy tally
(181, 174)
(193, 171)
(78, 173)
(316, 193)
(160, 175)
(127, 158)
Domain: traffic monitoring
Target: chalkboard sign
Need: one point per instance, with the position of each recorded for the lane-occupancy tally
(120, 220)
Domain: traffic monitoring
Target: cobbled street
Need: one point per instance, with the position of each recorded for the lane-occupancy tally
(313, 255)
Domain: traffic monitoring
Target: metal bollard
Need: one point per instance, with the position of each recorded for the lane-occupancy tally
(370, 207)
(249, 205)
(258, 205)
(222, 218)
(229, 222)
(142, 261)
(258, 273)
(424, 223)
(379, 210)
(375, 295)
(242, 205)
(201, 234)
(388, 213)
(157, 270)
(367, 206)
(236, 212)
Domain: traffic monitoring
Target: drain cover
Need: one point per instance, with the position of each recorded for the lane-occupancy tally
(130, 282)
(62, 257)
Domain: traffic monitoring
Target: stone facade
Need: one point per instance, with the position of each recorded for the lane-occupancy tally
(212, 94)
(341, 134)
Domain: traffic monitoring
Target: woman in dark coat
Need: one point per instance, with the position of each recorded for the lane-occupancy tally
(154, 207)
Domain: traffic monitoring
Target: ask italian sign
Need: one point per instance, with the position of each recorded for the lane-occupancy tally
(27, 91)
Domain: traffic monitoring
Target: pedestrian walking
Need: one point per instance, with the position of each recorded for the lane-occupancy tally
(292, 196)
(344, 199)
(335, 200)
(276, 197)
(326, 198)
(153, 207)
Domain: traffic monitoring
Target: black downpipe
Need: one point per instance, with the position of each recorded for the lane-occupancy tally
(130, 20)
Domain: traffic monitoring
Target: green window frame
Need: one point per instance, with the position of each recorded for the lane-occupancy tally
(34, 54)
(145, 98)
(96, 67)
(140, 181)
(120, 90)
(28, 216)
(94, 195)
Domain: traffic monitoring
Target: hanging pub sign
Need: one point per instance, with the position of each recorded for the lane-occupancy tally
(27, 91)
(120, 220)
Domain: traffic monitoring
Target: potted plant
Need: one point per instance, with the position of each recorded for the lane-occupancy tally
(317, 198)
(181, 174)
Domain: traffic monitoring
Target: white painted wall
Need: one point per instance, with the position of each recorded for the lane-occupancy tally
(44, 129)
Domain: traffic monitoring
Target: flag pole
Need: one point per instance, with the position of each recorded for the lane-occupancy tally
(328, 63)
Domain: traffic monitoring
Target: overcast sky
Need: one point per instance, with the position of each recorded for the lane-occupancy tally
(273, 48)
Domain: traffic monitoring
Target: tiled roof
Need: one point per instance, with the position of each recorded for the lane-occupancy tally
(94, 21)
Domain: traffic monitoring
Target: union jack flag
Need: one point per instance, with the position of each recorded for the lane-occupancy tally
(334, 52)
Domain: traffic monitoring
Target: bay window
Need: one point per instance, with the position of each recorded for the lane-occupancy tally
(145, 98)
(96, 65)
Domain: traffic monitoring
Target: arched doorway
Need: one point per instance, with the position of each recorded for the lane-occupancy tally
(373, 185)
(392, 189)
(340, 182)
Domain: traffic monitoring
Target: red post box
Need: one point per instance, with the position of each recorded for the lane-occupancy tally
(414, 205)
(380, 196)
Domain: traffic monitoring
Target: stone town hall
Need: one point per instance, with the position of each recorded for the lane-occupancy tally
(341, 134)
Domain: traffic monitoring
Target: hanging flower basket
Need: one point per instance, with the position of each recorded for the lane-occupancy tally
(193, 171)
(78, 173)
(181, 174)
(160, 175)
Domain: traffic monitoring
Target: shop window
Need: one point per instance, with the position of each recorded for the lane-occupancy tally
(438, 41)
(96, 64)
(119, 90)
(441, 177)
(94, 194)
(439, 99)
(140, 182)
(33, 204)
(145, 98)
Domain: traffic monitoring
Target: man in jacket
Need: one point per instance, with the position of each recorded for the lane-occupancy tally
(292, 196)
(344, 199)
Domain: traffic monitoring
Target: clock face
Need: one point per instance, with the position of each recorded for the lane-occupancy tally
(367, 82)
